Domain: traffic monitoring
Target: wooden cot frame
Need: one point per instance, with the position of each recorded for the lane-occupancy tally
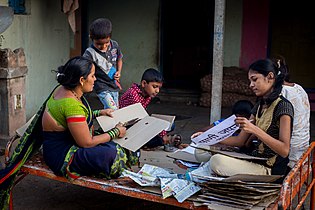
(297, 186)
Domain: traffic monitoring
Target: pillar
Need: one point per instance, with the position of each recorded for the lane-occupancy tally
(13, 71)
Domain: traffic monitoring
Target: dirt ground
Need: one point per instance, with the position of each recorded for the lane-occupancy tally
(44, 194)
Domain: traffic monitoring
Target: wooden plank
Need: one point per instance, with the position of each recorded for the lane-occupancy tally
(122, 186)
(302, 173)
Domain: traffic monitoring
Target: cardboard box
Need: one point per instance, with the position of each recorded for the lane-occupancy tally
(138, 134)
(169, 118)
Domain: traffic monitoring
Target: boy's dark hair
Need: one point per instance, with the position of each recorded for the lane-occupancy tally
(243, 108)
(152, 75)
(101, 28)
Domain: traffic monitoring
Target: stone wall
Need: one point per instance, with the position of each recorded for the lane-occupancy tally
(13, 71)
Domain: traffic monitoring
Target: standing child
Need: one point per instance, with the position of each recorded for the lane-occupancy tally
(107, 57)
(150, 85)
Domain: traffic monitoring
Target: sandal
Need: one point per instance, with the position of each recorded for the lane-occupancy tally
(176, 140)
(173, 142)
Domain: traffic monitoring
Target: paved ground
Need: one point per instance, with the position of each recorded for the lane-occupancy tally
(40, 193)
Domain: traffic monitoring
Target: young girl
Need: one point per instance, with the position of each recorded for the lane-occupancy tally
(270, 125)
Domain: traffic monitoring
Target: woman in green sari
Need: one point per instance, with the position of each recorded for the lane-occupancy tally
(64, 126)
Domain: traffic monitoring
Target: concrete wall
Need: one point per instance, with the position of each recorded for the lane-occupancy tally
(45, 36)
(233, 32)
(255, 26)
(136, 28)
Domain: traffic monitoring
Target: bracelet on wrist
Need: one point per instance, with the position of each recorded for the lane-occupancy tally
(117, 131)
(96, 113)
(113, 133)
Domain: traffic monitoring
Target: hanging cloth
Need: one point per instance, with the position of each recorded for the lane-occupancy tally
(69, 7)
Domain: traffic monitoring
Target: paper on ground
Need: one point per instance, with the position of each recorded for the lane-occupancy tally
(188, 164)
(155, 171)
(204, 172)
(180, 188)
(149, 175)
(217, 133)
(189, 149)
(144, 181)
(186, 154)
(170, 184)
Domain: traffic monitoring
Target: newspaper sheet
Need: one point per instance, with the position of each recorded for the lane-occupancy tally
(169, 182)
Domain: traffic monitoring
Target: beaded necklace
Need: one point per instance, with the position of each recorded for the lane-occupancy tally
(76, 95)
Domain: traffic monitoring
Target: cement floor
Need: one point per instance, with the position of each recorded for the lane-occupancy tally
(41, 193)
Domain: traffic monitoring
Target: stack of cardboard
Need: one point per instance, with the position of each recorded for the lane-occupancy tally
(239, 194)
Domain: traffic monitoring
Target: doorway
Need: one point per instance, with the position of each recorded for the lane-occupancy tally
(293, 36)
(186, 42)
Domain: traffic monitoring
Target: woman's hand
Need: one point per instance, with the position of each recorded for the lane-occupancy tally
(195, 135)
(106, 112)
(122, 130)
(245, 124)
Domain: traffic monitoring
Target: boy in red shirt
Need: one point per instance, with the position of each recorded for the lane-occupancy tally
(151, 82)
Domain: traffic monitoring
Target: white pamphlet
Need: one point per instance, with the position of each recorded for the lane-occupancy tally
(217, 133)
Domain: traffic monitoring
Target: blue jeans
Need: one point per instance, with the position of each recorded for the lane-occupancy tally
(109, 99)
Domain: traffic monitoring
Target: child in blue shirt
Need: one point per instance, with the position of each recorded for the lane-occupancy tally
(107, 58)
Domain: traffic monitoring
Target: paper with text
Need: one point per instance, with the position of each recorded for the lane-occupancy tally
(217, 133)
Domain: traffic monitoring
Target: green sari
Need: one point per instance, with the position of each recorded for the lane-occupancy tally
(29, 144)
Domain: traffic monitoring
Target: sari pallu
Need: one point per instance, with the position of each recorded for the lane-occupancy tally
(28, 144)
